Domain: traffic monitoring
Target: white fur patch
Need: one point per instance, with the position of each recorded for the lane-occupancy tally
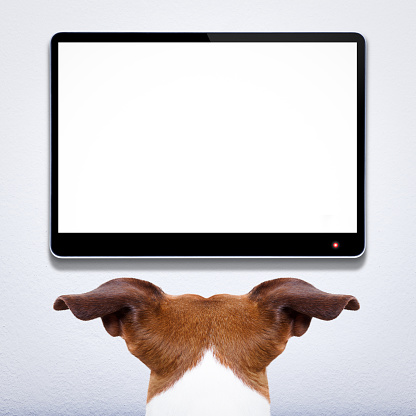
(209, 389)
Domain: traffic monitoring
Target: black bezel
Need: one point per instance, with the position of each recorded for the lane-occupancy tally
(209, 244)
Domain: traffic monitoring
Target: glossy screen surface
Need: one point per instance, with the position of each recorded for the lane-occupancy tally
(211, 137)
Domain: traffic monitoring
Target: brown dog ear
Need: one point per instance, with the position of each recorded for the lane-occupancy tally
(301, 302)
(111, 302)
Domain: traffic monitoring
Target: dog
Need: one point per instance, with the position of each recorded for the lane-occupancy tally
(207, 356)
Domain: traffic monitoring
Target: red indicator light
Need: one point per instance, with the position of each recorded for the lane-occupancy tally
(335, 244)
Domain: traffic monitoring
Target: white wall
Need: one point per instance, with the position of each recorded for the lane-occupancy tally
(361, 363)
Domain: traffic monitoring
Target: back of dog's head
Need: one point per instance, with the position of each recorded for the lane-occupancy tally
(171, 333)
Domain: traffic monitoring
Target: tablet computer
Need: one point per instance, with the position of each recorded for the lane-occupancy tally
(207, 145)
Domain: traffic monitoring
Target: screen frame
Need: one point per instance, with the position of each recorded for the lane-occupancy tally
(202, 245)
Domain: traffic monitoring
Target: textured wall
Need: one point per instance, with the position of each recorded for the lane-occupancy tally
(361, 363)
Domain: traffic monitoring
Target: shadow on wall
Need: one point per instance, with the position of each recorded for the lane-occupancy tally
(247, 265)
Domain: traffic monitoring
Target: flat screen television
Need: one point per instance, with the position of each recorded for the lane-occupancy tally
(207, 145)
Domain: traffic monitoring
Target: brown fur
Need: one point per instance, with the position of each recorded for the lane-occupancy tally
(170, 334)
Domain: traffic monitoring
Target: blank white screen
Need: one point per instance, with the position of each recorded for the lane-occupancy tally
(207, 137)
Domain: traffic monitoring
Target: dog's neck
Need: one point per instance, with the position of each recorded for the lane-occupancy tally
(217, 389)
(173, 339)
